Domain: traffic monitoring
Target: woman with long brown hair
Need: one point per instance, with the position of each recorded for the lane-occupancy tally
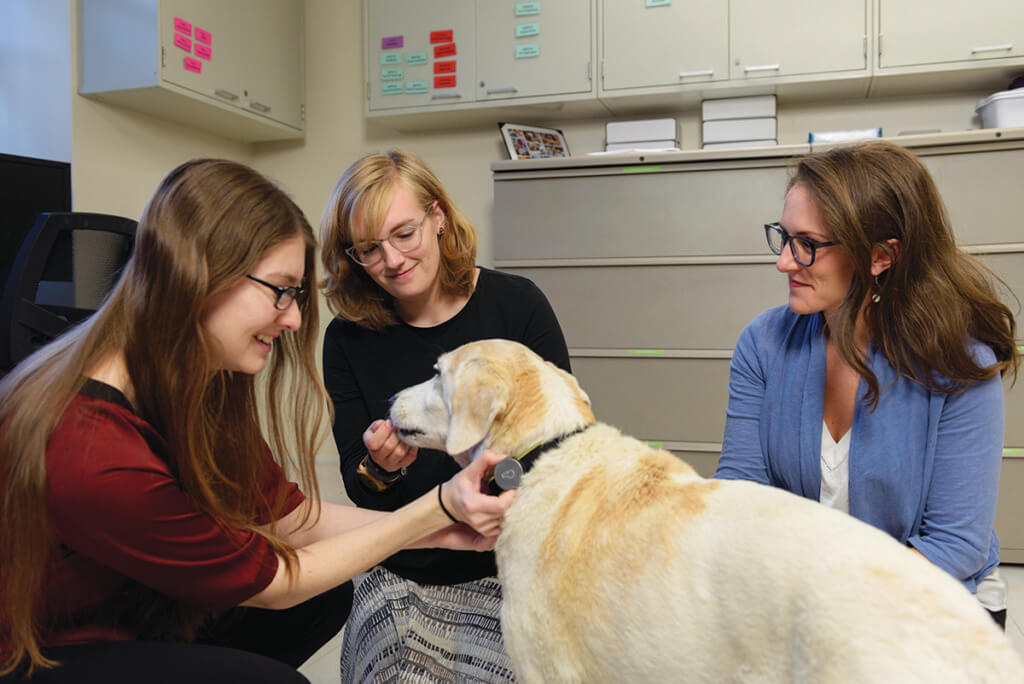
(147, 529)
(878, 389)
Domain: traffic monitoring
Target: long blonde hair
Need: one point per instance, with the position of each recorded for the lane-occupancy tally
(206, 225)
(365, 191)
(933, 297)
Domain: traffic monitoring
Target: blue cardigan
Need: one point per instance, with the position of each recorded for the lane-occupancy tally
(924, 466)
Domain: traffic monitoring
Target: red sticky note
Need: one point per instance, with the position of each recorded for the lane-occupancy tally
(446, 50)
(183, 42)
(182, 26)
(447, 67)
(193, 65)
(203, 51)
(203, 36)
(441, 36)
(444, 81)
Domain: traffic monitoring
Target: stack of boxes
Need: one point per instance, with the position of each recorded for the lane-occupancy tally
(649, 134)
(739, 122)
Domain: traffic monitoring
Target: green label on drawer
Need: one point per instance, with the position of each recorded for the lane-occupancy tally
(393, 88)
(657, 3)
(527, 51)
(527, 9)
(524, 30)
(639, 169)
(414, 58)
(417, 86)
(391, 58)
(647, 352)
(392, 74)
(656, 445)
(1014, 452)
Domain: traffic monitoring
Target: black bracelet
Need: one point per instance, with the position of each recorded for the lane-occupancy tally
(385, 476)
(441, 501)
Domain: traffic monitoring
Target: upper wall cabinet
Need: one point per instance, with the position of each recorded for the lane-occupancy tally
(528, 49)
(797, 37)
(233, 67)
(423, 54)
(663, 44)
(945, 32)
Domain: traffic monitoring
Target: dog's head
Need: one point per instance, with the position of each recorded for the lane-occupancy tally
(490, 394)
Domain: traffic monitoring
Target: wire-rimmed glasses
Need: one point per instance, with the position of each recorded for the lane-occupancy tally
(404, 239)
(803, 249)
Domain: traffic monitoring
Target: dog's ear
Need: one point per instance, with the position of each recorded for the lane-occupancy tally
(476, 393)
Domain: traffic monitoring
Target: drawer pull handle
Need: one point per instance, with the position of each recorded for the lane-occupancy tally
(498, 91)
(992, 48)
(259, 107)
(226, 94)
(688, 74)
(444, 96)
(762, 67)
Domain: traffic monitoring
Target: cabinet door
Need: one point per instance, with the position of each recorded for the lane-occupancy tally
(419, 53)
(663, 45)
(274, 83)
(935, 31)
(792, 37)
(201, 48)
(526, 49)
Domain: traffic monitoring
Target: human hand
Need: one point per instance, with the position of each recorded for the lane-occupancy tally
(384, 447)
(458, 538)
(463, 496)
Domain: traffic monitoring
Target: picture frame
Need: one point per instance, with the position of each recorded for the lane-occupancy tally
(533, 142)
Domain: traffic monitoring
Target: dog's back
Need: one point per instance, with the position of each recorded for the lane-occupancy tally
(619, 563)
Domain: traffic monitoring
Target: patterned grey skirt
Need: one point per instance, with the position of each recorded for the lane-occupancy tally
(401, 631)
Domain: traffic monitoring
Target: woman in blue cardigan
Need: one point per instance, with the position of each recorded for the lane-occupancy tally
(877, 390)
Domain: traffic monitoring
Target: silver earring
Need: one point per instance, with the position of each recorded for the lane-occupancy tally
(875, 298)
(440, 231)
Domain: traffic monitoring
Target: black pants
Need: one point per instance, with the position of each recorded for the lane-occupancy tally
(245, 645)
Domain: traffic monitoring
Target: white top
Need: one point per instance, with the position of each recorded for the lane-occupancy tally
(835, 470)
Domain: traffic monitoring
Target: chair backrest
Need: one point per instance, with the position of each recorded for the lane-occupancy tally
(26, 321)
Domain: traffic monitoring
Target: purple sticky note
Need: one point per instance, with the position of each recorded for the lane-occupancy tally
(392, 42)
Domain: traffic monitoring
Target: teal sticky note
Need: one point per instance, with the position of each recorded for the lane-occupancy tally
(391, 88)
(527, 51)
(527, 9)
(657, 3)
(414, 58)
(417, 87)
(392, 74)
(391, 58)
(524, 30)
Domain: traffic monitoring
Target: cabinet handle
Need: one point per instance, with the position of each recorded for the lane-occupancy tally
(992, 48)
(688, 74)
(226, 94)
(444, 96)
(763, 67)
(259, 107)
(496, 91)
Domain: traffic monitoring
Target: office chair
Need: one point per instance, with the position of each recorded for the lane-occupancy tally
(29, 320)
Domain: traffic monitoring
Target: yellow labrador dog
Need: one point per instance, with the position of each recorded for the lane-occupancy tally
(620, 564)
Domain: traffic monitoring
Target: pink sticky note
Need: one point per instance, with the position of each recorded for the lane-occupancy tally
(203, 51)
(193, 65)
(183, 42)
(182, 26)
(203, 36)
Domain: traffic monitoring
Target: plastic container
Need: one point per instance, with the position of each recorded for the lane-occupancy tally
(1002, 110)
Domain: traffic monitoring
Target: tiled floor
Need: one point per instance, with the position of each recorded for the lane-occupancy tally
(323, 667)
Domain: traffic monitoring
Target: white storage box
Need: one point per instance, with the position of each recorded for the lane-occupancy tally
(755, 106)
(1002, 110)
(643, 145)
(740, 143)
(734, 130)
(637, 131)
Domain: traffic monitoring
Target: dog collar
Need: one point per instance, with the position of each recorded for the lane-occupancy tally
(509, 472)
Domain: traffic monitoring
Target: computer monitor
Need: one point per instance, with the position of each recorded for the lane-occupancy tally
(29, 186)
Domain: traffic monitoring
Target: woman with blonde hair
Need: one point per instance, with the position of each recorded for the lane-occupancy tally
(403, 281)
(147, 529)
(878, 389)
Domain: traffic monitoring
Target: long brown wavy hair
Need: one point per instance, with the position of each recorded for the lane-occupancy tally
(364, 194)
(208, 223)
(933, 298)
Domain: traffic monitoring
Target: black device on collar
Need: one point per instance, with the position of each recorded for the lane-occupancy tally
(508, 477)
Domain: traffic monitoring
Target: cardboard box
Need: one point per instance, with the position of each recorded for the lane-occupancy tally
(637, 131)
(754, 107)
(735, 130)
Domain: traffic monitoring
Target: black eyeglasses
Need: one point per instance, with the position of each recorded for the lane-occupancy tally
(285, 295)
(803, 249)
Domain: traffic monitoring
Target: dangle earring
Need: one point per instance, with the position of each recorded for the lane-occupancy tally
(875, 297)
(440, 231)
